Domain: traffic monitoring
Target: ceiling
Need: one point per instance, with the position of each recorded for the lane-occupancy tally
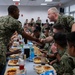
(34, 2)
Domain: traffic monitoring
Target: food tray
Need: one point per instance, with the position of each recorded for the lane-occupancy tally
(40, 60)
(14, 71)
(43, 68)
(13, 62)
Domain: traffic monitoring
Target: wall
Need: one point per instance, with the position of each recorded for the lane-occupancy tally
(69, 3)
(28, 12)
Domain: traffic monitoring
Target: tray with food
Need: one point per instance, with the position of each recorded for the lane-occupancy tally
(40, 60)
(43, 68)
(13, 56)
(15, 44)
(13, 62)
(37, 60)
(14, 71)
(11, 71)
(12, 49)
(37, 50)
(35, 47)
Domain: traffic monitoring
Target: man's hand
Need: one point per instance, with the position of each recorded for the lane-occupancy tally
(54, 48)
(47, 39)
(42, 40)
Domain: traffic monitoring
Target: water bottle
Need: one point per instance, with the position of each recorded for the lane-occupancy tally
(30, 44)
(31, 53)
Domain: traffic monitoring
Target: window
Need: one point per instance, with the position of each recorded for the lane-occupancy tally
(66, 9)
(72, 8)
(66, 12)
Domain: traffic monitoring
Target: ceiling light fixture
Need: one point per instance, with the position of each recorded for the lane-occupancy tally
(43, 3)
(48, 0)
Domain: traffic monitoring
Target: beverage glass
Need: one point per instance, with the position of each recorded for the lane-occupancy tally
(21, 64)
(21, 67)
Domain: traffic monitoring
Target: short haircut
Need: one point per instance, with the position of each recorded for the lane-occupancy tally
(47, 28)
(54, 10)
(60, 39)
(71, 38)
(12, 8)
(58, 26)
(38, 28)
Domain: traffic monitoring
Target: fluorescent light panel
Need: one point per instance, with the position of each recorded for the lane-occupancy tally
(43, 3)
(48, 0)
(16, 0)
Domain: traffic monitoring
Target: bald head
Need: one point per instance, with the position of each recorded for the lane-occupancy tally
(53, 14)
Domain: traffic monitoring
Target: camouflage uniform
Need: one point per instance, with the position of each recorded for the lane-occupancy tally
(38, 21)
(46, 46)
(66, 65)
(42, 35)
(67, 21)
(61, 52)
(8, 25)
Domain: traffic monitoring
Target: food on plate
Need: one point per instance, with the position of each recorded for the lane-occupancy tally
(39, 66)
(11, 71)
(14, 55)
(39, 69)
(15, 44)
(46, 68)
(13, 62)
(36, 48)
(37, 60)
(43, 68)
(13, 49)
(37, 52)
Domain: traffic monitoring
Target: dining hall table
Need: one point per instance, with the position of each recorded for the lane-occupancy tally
(29, 65)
